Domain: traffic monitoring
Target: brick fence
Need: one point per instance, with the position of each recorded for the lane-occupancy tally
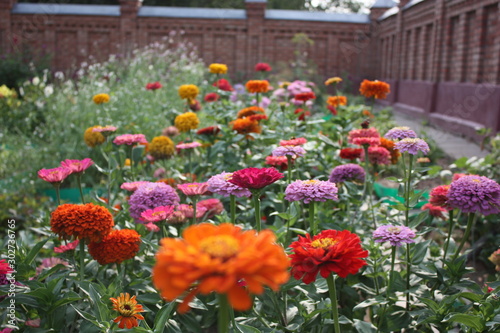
(442, 57)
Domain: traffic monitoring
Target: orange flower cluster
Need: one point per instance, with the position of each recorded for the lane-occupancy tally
(389, 145)
(376, 89)
(128, 309)
(250, 111)
(117, 246)
(257, 86)
(336, 100)
(219, 259)
(246, 125)
(88, 222)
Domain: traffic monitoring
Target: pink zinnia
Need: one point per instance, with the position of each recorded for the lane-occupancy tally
(104, 129)
(132, 186)
(293, 142)
(64, 248)
(278, 161)
(439, 196)
(255, 178)
(378, 156)
(157, 214)
(395, 234)
(130, 139)
(262, 67)
(152, 227)
(189, 145)
(188, 211)
(77, 166)
(364, 136)
(153, 86)
(56, 175)
(435, 211)
(194, 188)
(214, 207)
(293, 151)
(4, 267)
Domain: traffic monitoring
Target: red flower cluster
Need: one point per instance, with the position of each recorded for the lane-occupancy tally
(223, 85)
(305, 96)
(153, 86)
(262, 67)
(211, 97)
(351, 153)
(302, 114)
(255, 178)
(211, 130)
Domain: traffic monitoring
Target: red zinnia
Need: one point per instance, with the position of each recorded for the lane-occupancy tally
(211, 130)
(332, 109)
(153, 86)
(305, 96)
(439, 196)
(255, 178)
(435, 211)
(223, 85)
(302, 113)
(330, 251)
(211, 97)
(262, 67)
(351, 153)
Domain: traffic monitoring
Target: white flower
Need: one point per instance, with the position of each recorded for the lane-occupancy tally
(35, 81)
(49, 90)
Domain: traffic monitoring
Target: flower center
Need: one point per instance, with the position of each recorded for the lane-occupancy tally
(324, 243)
(223, 246)
(310, 182)
(228, 176)
(127, 310)
(394, 230)
(158, 213)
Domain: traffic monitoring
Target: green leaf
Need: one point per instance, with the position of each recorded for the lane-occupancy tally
(137, 153)
(471, 321)
(162, 316)
(461, 162)
(418, 252)
(245, 329)
(471, 296)
(34, 251)
(87, 316)
(364, 327)
(369, 302)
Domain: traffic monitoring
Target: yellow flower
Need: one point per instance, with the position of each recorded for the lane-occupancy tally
(128, 309)
(92, 138)
(218, 68)
(6, 92)
(161, 147)
(186, 121)
(100, 98)
(285, 84)
(127, 162)
(188, 91)
(333, 80)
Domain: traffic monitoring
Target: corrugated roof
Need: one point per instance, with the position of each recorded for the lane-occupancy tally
(185, 12)
(384, 4)
(300, 15)
(60, 9)
(389, 13)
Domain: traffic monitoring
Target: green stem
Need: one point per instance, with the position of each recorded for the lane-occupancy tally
(223, 317)
(58, 193)
(79, 181)
(82, 259)
(407, 191)
(233, 208)
(289, 167)
(391, 273)
(257, 97)
(131, 164)
(312, 221)
(450, 231)
(194, 199)
(407, 222)
(256, 205)
(408, 272)
(466, 235)
(333, 298)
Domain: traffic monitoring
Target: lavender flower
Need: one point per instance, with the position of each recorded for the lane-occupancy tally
(475, 194)
(150, 196)
(311, 190)
(396, 235)
(398, 133)
(412, 146)
(293, 151)
(347, 172)
(219, 184)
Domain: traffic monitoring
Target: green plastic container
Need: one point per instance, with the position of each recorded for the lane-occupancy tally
(382, 191)
(68, 195)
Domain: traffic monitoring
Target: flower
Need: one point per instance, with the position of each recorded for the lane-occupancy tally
(217, 68)
(212, 206)
(211, 97)
(149, 196)
(188, 211)
(216, 258)
(132, 186)
(402, 132)
(33, 322)
(88, 222)
(255, 178)
(376, 89)
(92, 138)
(257, 86)
(435, 211)
(219, 184)
(495, 259)
(64, 248)
(396, 235)
(423, 160)
(262, 67)
(364, 136)
(330, 251)
(351, 153)
(246, 125)
(378, 156)
(278, 161)
(190, 189)
(412, 146)
(223, 84)
(104, 129)
(188, 91)
(347, 172)
(6, 92)
(258, 117)
(439, 196)
(100, 98)
(150, 226)
(48, 263)
(293, 142)
(389, 145)
(4, 267)
(128, 309)
(336, 100)
(211, 130)
(153, 86)
(77, 166)
(293, 151)
(130, 139)
(333, 80)
(116, 247)
(56, 175)
(304, 96)
(157, 214)
(367, 113)
(194, 105)
(161, 147)
(302, 114)
(332, 109)
(475, 194)
(311, 190)
(250, 111)
(170, 131)
(186, 121)
(188, 145)
(457, 176)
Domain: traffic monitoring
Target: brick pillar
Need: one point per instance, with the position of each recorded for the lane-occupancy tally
(128, 24)
(6, 37)
(256, 12)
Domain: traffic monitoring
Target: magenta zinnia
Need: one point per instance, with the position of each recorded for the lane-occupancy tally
(412, 146)
(396, 235)
(220, 184)
(292, 151)
(255, 178)
(130, 139)
(56, 175)
(399, 133)
(77, 166)
(347, 172)
(311, 190)
(475, 194)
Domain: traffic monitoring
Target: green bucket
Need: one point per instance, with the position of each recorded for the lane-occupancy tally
(383, 192)
(69, 195)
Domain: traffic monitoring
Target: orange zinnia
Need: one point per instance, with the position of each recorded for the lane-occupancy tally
(246, 125)
(376, 89)
(219, 258)
(117, 246)
(250, 111)
(336, 100)
(257, 86)
(89, 222)
(389, 145)
(128, 309)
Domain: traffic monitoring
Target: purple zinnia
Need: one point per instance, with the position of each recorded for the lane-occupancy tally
(399, 133)
(311, 190)
(293, 151)
(219, 184)
(412, 146)
(150, 196)
(396, 235)
(347, 172)
(473, 194)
